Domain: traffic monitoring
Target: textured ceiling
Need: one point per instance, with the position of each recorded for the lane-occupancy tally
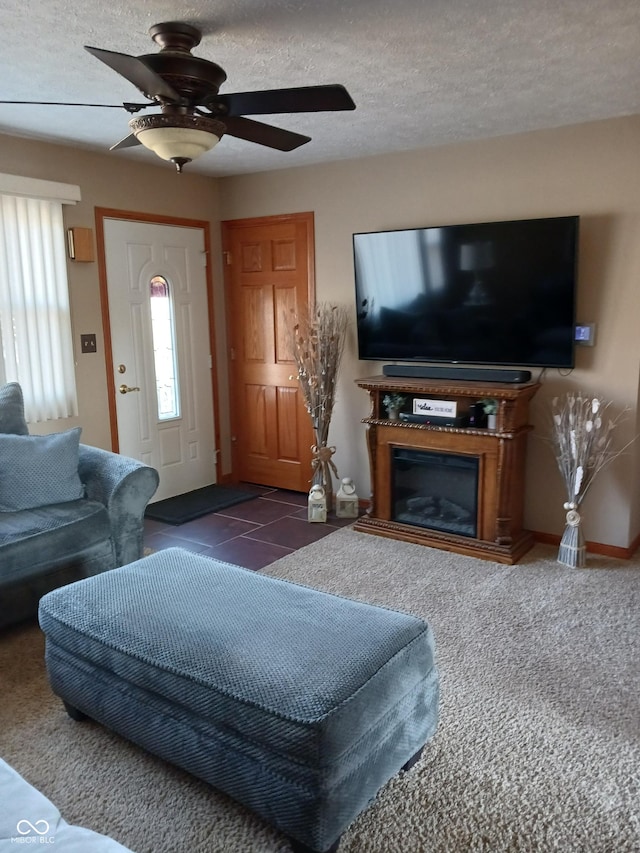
(422, 72)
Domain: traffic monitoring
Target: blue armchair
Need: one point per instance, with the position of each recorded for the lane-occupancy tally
(67, 510)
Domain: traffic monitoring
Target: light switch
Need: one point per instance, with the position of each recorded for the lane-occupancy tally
(585, 334)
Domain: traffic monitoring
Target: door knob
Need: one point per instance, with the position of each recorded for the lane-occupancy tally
(124, 389)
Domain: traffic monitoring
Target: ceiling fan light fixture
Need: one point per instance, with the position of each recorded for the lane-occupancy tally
(177, 138)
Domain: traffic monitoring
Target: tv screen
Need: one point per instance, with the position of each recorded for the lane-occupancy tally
(489, 293)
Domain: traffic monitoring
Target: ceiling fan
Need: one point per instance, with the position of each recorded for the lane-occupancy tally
(193, 114)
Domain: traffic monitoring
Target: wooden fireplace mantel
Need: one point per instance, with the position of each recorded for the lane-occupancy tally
(500, 453)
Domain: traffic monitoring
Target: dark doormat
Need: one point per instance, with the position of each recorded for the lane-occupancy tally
(194, 504)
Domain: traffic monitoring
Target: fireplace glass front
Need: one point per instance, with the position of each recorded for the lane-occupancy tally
(438, 491)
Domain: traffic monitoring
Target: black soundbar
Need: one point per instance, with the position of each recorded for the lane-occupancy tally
(463, 374)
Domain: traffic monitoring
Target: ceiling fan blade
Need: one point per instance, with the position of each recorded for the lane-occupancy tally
(302, 99)
(130, 108)
(264, 134)
(135, 71)
(127, 142)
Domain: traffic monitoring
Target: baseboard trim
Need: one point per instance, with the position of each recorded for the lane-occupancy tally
(635, 545)
(593, 547)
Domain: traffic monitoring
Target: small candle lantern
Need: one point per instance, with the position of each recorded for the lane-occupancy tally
(347, 499)
(317, 504)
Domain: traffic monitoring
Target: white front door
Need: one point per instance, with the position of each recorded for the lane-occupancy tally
(158, 313)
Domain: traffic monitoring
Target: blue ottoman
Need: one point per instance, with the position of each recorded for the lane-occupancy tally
(297, 703)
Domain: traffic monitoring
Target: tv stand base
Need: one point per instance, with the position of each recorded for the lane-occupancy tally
(463, 374)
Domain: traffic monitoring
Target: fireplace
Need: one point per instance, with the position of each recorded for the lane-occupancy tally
(438, 491)
(451, 485)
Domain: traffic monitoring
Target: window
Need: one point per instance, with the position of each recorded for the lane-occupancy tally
(164, 351)
(36, 347)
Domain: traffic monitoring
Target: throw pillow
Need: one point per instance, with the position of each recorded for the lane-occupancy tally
(38, 470)
(12, 410)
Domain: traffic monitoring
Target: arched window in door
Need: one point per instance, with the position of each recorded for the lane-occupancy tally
(164, 348)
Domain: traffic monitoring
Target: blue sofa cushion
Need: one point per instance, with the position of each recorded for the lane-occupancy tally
(38, 470)
(39, 539)
(21, 798)
(12, 410)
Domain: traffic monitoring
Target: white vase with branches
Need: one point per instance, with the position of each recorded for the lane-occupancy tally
(318, 344)
(581, 435)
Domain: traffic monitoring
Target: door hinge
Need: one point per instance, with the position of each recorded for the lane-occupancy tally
(227, 258)
(210, 361)
(232, 354)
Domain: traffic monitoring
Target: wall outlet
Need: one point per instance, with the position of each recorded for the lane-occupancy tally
(88, 343)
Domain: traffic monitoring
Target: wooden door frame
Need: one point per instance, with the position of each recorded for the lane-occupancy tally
(305, 218)
(102, 213)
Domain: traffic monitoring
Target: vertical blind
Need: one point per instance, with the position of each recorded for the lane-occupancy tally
(35, 323)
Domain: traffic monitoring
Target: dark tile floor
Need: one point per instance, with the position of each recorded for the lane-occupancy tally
(251, 534)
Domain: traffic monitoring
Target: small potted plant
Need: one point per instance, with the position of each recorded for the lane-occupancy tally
(490, 407)
(393, 403)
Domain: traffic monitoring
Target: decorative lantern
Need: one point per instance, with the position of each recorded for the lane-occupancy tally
(347, 499)
(317, 504)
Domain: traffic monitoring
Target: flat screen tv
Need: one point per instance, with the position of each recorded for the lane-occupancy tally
(489, 293)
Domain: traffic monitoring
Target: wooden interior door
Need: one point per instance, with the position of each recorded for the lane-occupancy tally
(269, 266)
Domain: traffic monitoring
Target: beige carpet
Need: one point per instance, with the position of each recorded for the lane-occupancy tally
(538, 747)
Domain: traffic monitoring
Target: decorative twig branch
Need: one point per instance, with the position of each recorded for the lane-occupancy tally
(581, 435)
(318, 345)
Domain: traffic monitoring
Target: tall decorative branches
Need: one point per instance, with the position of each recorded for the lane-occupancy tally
(582, 430)
(318, 345)
(581, 436)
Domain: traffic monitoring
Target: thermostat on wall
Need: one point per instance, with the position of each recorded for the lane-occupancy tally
(585, 334)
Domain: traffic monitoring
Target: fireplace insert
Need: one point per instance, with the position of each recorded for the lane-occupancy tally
(438, 491)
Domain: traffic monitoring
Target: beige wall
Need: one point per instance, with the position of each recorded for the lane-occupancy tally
(591, 170)
(109, 181)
